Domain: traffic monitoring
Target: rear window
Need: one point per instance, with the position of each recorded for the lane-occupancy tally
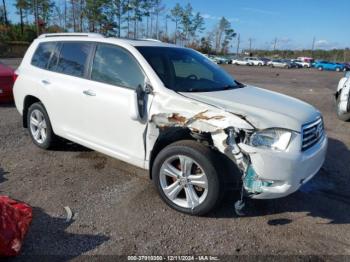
(42, 54)
(72, 59)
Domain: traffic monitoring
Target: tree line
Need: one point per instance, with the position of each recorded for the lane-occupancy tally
(122, 18)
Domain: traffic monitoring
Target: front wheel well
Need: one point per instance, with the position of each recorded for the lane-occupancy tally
(170, 135)
(28, 101)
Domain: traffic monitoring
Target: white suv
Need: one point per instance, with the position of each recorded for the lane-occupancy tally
(172, 111)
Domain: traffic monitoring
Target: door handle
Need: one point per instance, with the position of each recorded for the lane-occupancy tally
(89, 93)
(45, 82)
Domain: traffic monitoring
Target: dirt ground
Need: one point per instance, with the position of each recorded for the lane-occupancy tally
(117, 210)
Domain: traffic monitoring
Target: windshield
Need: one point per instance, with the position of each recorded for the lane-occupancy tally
(185, 70)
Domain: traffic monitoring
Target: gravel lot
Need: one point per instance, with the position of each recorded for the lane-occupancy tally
(117, 210)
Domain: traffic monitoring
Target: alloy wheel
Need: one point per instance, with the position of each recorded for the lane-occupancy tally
(183, 181)
(38, 127)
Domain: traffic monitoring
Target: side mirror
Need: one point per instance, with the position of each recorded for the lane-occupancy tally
(138, 107)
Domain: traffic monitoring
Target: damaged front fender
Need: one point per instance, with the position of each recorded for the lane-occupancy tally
(226, 129)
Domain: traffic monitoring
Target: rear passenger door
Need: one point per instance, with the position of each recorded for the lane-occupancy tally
(66, 82)
(115, 74)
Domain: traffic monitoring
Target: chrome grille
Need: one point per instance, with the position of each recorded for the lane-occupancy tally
(312, 133)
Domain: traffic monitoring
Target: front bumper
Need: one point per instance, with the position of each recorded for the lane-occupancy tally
(286, 171)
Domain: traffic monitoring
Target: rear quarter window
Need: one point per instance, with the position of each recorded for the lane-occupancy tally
(42, 54)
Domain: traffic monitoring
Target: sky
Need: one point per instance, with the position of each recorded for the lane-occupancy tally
(293, 22)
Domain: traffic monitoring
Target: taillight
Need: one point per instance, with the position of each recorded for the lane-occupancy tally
(14, 77)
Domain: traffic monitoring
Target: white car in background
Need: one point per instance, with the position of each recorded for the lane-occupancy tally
(342, 97)
(278, 63)
(238, 61)
(255, 61)
(302, 63)
(171, 111)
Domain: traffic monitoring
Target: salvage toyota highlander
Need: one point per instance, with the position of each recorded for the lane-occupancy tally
(172, 111)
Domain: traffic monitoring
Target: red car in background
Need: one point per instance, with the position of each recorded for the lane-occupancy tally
(7, 78)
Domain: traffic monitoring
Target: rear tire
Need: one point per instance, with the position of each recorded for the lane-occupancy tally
(337, 69)
(39, 126)
(200, 161)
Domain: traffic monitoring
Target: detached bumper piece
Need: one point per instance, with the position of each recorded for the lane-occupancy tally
(15, 219)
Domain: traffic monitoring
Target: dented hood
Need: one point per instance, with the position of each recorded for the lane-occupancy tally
(263, 108)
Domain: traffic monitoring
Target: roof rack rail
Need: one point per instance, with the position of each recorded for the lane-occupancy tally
(95, 35)
(151, 39)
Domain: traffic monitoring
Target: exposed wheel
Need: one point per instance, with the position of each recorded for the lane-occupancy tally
(39, 126)
(341, 116)
(260, 64)
(186, 178)
(320, 68)
(337, 69)
(305, 66)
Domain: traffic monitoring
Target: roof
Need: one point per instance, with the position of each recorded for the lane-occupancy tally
(101, 38)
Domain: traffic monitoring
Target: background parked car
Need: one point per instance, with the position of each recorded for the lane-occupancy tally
(302, 63)
(215, 59)
(224, 60)
(255, 61)
(238, 61)
(292, 64)
(281, 63)
(7, 77)
(306, 59)
(266, 60)
(326, 65)
(347, 66)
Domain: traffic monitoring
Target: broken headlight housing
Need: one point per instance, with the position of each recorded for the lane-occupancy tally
(273, 138)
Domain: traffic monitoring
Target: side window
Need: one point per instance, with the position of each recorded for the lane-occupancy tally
(42, 54)
(54, 57)
(72, 59)
(115, 66)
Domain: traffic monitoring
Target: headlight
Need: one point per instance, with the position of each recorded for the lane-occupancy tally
(273, 138)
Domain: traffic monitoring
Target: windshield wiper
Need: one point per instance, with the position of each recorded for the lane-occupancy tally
(239, 84)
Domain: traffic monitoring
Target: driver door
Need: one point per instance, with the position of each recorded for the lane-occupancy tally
(109, 98)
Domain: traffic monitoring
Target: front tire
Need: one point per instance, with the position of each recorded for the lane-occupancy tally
(186, 177)
(39, 126)
(320, 68)
(343, 117)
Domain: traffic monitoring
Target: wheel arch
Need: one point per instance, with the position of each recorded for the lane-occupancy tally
(28, 101)
(171, 135)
